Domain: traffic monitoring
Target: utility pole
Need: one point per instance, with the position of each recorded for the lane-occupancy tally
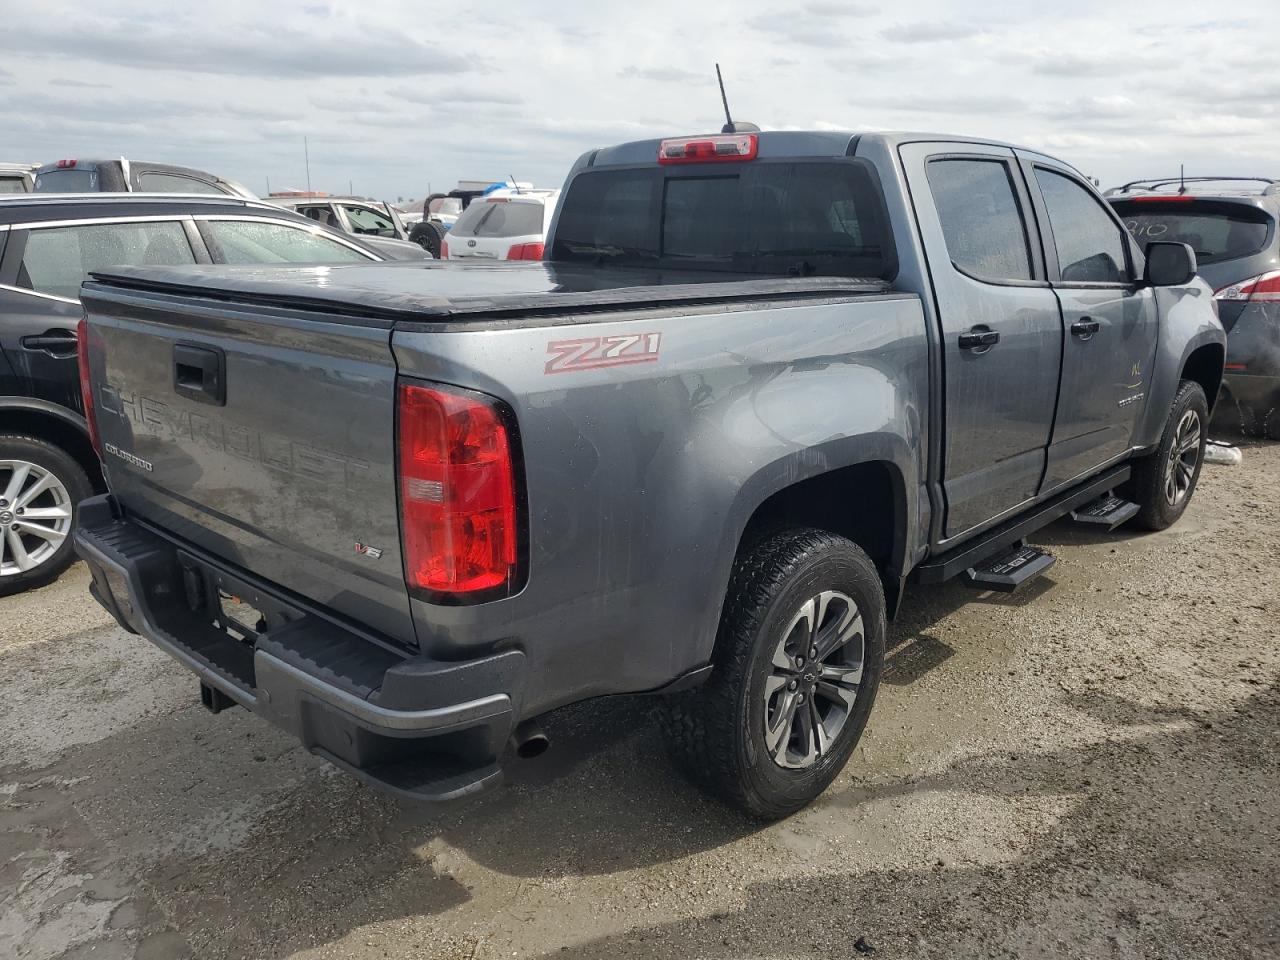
(306, 154)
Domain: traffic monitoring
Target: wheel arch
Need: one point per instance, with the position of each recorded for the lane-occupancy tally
(854, 487)
(1204, 365)
(55, 424)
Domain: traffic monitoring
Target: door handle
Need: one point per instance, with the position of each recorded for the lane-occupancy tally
(199, 373)
(979, 338)
(56, 343)
(1084, 328)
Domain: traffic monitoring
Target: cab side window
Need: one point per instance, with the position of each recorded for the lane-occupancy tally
(1090, 245)
(981, 219)
(57, 259)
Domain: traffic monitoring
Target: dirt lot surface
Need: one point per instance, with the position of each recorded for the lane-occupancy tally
(1090, 770)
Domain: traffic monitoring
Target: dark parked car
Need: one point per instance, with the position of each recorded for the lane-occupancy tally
(132, 176)
(1230, 222)
(763, 382)
(48, 244)
(374, 222)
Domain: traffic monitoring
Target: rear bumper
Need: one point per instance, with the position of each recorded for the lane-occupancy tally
(426, 730)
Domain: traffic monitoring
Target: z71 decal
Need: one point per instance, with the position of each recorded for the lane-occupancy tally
(591, 353)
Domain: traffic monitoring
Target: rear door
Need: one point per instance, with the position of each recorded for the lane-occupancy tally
(999, 322)
(45, 266)
(1110, 323)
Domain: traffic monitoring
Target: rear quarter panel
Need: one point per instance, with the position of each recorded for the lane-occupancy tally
(642, 476)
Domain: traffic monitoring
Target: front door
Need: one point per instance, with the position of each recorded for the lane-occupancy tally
(999, 325)
(1109, 321)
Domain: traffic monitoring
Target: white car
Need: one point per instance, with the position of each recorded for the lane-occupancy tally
(507, 224)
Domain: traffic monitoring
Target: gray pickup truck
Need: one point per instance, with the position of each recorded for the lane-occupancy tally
(762, 383)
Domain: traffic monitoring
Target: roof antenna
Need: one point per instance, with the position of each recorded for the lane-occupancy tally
(730, 126)
(728, 120)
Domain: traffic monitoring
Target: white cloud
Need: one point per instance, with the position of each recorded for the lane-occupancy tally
(393, 99)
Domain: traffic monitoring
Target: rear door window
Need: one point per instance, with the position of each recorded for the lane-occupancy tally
(57, 259)
(1091, 247)
(253, 241)
(982, 222)
(1217, 231)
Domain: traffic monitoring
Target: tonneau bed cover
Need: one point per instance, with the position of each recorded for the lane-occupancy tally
(382, 294)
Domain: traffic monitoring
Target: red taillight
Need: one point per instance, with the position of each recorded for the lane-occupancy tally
(66, 164)
(1265, 286)
(457, 491)
(444, 249)
(718, 149)
(525, 251)
(86, 385)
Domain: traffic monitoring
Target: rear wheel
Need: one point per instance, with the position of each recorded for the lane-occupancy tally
(1163, 482)
(40, 486)
(797, 664)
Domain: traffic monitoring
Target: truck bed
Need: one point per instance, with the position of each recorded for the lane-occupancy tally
(445, 291)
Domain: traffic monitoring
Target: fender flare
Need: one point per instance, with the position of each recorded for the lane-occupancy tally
(48, 407)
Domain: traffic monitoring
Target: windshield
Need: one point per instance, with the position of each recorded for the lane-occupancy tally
(1217, 231)
(68, 181)
(769, 217)
(500, 218)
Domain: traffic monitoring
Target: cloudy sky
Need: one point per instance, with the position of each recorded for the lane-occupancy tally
(395, 95)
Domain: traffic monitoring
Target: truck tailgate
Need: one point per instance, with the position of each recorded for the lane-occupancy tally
(262, 435)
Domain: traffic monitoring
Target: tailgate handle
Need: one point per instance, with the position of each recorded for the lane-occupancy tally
(199, 373)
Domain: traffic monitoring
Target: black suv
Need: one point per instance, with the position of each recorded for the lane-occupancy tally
(1231, 223)
(48, 244)
(132, 176)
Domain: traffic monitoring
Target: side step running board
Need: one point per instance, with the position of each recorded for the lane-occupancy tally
(1108, 512)
(1010, 569)
(976, 551)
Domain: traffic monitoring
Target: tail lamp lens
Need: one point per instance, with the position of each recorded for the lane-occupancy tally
(457, 491)
(1264, 287)
(86, 384)
(444, 249)
(525, 251)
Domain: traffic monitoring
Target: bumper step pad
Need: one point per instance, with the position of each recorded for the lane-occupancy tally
(1010, 569)
(1107, 512)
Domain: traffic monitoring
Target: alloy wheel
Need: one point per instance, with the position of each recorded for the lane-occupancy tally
(1180, 471)
(814, 678)
(35, 516)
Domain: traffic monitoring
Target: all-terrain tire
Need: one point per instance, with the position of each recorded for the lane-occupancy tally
(1161, 497)
(429, 235)
(74, 487)
(717, 731)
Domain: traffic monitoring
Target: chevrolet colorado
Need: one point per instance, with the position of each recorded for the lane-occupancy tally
(762, 382)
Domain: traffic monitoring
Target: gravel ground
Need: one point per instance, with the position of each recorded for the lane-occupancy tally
(1088, 770)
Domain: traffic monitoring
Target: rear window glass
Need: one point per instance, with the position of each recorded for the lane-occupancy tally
(769, 217)
(68, 181)
(510, 218)
(1216, 231)
(12, 185)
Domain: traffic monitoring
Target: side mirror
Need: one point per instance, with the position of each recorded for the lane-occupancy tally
(1169, 264)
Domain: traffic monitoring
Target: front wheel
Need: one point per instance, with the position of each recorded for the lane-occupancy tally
(1163, 482)
(40, 486)
(797, 665)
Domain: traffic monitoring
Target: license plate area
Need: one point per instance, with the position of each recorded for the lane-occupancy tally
(230, 605)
